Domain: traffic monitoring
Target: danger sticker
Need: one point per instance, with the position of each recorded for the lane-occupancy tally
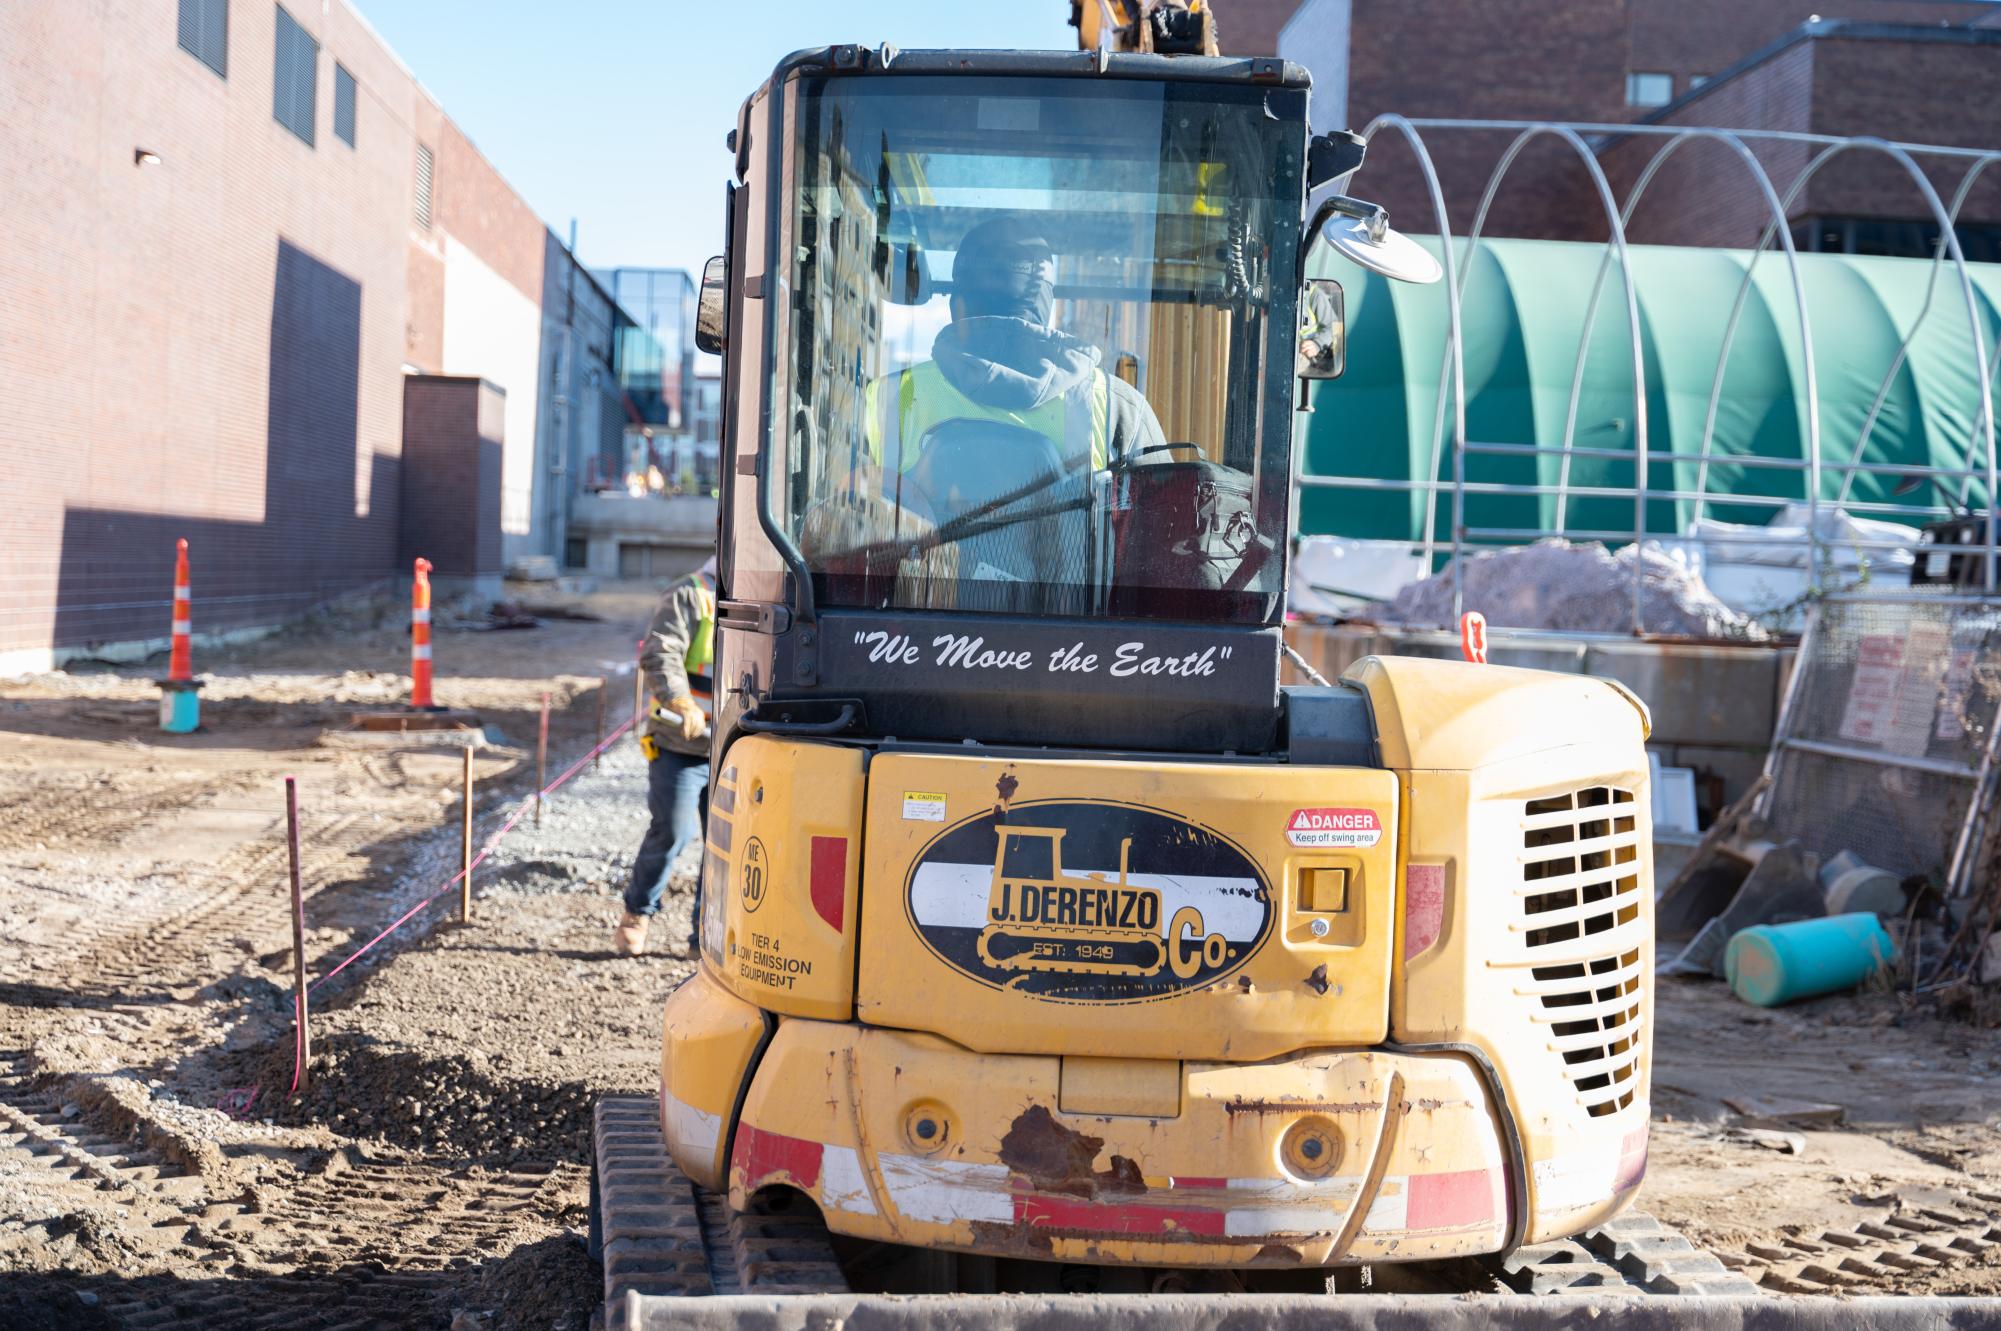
(923, 806)
(1355, 829)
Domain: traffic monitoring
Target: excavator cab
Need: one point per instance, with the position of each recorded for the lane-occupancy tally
(1040, 924)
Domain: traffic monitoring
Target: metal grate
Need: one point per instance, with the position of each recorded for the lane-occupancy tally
(1887, 732)
(423, 206)
(1581, 884)
(204, 32)
(343, 104)
(295, 77)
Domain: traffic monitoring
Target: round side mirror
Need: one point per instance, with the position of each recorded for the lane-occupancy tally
(1368, 241)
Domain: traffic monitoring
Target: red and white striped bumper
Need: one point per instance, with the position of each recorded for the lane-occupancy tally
(1417, 1169)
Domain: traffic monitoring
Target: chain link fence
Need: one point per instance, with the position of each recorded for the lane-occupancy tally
(1885, 744)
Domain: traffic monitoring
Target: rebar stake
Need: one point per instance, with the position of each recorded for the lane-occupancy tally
(304, 1038)
(465, 843)
(541, 760)
(597, 743)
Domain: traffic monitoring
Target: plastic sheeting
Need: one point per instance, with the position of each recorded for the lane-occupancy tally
(1524, 309)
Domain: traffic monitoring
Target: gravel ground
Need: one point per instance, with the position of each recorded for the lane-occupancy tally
(157, 1169)
(155, 1164)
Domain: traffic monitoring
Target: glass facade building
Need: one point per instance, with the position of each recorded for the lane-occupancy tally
(655, 352)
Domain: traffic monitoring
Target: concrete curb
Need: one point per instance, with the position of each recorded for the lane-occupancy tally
(1300, 1312)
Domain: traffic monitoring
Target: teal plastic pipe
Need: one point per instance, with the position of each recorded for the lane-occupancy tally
(1770, 964)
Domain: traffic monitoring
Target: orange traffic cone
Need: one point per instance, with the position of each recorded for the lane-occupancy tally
(420, 637)
(180, 694)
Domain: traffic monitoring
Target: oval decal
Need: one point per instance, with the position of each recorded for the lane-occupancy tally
(1088, 901)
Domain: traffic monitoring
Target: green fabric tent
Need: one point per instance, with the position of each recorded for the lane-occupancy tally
(1524, 308)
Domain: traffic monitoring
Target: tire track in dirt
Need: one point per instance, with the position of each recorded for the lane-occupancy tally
(1928, 1234)
(60, 814)
(162, 944)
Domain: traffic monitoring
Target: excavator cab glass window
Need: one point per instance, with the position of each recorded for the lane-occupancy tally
(1038, 345)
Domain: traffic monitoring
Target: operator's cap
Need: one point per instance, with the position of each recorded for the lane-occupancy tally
(1001, 263)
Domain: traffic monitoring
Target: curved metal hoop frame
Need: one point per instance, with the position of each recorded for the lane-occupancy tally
(1980, 457)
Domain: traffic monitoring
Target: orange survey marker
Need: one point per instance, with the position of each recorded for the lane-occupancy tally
(420, 636)
(180, 698)
(1473, 636)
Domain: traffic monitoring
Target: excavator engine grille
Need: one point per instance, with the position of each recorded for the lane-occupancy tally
(1581, 908)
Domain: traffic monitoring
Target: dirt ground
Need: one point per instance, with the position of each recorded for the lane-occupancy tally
(156, 1168)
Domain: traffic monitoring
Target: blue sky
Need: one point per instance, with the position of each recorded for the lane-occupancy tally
(613, 111)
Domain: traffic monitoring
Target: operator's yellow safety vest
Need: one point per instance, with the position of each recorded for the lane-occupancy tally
(924, 398)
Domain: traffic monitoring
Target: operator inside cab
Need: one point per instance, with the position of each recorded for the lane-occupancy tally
(1000, 360)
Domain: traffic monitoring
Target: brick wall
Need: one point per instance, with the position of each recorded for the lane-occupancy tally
(212, 347)
(1507, 59)
(1250, 27)
(1704, 194)
(1907, 88)
(1692, 37)
(452, 439)
(1866, 87)
(1568, 60)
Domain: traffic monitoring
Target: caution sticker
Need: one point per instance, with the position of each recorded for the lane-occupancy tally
(923, 806)
(1349, 829)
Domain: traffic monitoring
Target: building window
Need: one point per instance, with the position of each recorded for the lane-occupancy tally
(1910, 238)
(1696, 81)
(205, 32)
(343, 105)
(423, 208)
(295, 79)
(1649, 89)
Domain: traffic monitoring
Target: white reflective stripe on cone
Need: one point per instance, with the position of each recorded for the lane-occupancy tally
(421, 652)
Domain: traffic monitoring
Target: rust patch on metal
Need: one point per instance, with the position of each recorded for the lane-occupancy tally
(1277, 1254)
(1235, 1107)
(1059, 1160)
(1005, 788)
(1122, 1177)
(998, 1239)
(1317, 981)
(1052, 1157)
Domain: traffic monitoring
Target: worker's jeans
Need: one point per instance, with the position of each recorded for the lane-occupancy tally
(677, 798)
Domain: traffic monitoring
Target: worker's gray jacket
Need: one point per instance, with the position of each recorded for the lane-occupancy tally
(663, 658)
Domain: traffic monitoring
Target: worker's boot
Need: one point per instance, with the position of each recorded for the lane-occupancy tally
(629, 939)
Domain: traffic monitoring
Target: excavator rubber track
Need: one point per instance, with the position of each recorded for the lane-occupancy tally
(657, 1234)
(682, 1251)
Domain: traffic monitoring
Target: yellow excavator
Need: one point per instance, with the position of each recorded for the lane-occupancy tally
(1048, 944)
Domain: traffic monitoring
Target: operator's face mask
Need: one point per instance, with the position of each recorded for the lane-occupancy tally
(1017, 282)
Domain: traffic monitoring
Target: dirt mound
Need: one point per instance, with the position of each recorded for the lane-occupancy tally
(545, 1286)
(467, 1106)
(1563, 587)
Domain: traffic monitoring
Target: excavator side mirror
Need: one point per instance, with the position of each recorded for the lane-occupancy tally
(1323, 329)
(1360, 232)
(711, 307)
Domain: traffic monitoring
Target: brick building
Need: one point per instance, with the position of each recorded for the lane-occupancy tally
(236, 230)
(1913, 70)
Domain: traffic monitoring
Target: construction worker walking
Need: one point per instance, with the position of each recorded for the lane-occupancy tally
(678, 653)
